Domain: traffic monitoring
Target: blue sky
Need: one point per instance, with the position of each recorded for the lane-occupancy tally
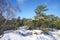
(28, 6)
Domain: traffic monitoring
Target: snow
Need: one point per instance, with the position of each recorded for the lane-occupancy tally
(28, 35)
(13, 36)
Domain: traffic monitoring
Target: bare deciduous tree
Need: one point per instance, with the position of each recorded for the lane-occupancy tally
(6, 8)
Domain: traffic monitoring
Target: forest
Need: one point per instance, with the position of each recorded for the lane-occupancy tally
(40, 20)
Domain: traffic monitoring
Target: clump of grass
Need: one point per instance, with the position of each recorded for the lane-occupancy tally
(45, 31)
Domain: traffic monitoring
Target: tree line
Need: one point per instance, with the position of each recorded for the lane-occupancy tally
(40, 20)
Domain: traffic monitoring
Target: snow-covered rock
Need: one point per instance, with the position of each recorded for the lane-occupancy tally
(13, 36)
(28, 35)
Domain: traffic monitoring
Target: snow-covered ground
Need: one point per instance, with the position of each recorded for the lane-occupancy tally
(30, 35)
